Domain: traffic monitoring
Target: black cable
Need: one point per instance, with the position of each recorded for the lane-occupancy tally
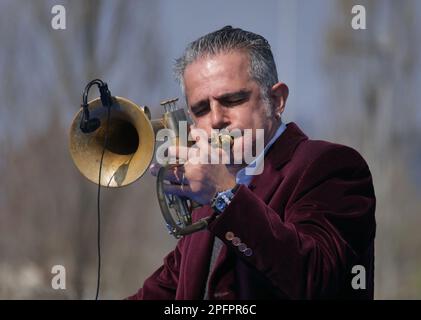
(98, 82)
(107, 102)
(99, 233)
(98, 204)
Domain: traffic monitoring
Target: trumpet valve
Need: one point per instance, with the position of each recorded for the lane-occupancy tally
(220, 140)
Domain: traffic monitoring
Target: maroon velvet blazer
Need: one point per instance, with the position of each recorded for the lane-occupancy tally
(306, 221)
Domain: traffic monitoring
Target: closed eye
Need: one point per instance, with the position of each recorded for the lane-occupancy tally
(200, 112)
(233, 102)
(235, 98)
(200, 108)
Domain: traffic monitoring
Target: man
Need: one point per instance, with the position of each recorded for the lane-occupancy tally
(295, 231)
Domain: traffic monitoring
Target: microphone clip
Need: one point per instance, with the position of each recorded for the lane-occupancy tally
(88, 125)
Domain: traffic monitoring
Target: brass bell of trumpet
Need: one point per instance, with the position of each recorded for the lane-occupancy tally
(129, 149)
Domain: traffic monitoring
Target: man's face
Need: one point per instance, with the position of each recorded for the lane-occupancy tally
(221, 94)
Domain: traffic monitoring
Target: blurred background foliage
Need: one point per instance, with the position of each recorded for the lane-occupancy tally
(359, 88)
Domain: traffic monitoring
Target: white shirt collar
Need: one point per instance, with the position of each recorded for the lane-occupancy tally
(245, 177)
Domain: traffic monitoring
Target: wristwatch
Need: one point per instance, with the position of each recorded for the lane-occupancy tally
(222, 199)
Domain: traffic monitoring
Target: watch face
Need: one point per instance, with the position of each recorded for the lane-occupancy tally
(220, 204)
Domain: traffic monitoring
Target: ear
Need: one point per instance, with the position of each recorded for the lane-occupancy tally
(280, 93)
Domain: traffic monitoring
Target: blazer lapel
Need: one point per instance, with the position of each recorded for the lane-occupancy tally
(265, 184)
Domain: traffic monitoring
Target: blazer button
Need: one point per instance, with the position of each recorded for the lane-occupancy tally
(242, 247)
(248, 252)
(236, 241)
(229, 236)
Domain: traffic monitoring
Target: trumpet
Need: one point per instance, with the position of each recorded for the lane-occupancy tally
(112, 143)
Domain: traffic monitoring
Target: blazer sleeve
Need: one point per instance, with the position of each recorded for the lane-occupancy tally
(162, 284)
(307, 250)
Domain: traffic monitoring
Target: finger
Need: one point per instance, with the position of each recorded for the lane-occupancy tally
(179, 153)
(201, 147)
(200, 136)
(171, 173)
(175, 174)
(154, 168)
(177, 190)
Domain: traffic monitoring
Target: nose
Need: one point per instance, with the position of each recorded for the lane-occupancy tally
(220, 117)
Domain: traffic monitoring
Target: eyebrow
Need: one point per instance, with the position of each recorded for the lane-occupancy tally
(241, 94)
(237, 95)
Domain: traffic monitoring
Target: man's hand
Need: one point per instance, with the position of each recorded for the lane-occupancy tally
(198, 179)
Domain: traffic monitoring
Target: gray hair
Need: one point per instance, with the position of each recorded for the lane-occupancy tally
(262, 65)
